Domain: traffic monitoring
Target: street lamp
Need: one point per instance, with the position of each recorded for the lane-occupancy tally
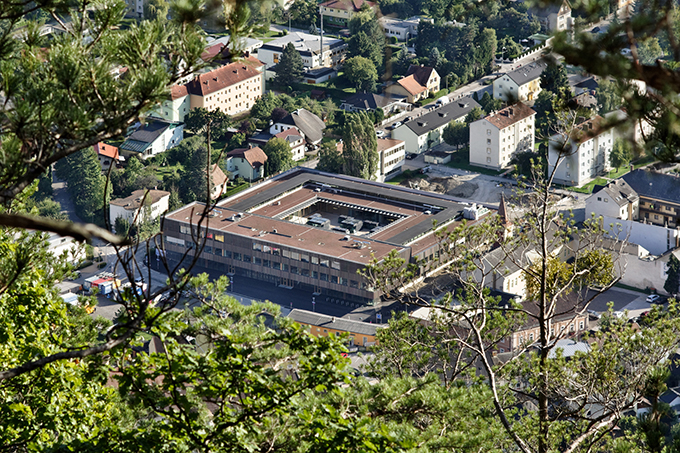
(313, 303)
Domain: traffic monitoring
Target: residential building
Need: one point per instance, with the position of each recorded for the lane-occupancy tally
(659, 196)
(305, 121)
(616, 199)
(339, 12)
(247, 163)
(220, 49)
(496, 138)
(419, 83)
(141, 206)
(368, 102)
(360, 333)
(176, 108)
(402, 29)
(523, 84)
(309, 48)
(135, 8)
(425, 131)
(582, 156)
(107, 155)
(319, 75)
(152, 138)
(292, 231)
(553, 17)
(392, 158)
(233, 88)
(296, 141)
(219, 181)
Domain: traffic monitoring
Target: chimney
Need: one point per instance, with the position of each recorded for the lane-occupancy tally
(511, 111)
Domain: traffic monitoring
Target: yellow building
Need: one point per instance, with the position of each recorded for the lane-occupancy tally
(233, 88)
(360, 333)
(340, 12)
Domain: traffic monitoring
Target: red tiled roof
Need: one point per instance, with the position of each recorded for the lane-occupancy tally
(289, 131)
(255, 156)
(178, 91)
(388, 143)
(212, 51)
(218, 176)
(354, 5)
(223, 77)
(510, 115)
(411, 85)
(103, 149)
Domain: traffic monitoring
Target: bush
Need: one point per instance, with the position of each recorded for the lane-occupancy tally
(101, 265)
(85, 264)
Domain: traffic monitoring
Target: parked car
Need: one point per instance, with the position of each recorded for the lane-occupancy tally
(380, 134)
(654, 299)
(397, 124)
(407, 119)
(410, 156)
(595, 30)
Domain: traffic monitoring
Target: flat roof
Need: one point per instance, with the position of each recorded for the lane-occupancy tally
(266, 205)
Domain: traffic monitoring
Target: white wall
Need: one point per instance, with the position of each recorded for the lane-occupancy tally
(655, 238)
(603, 205)
(645, 274)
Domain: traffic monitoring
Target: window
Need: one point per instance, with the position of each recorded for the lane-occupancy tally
(286, 254)
(324, 277)
(284, 267)
(334, 279)
(295, 256)
(315, 274)
(531, 337)
(257, 247)
(335, 265)
(488, 132)
(488, 141)
(207, 249)
(488, 150)
(343, 281)
(304, 258)
(581, 325)
(599, 198)
(227, 254)
(257, 261)
(488, 160)
(219, 237)
(184, 229)
(276, 265)
(246, 258)
(237, 256)
(324, 263)
(293, 270)
(218, 252)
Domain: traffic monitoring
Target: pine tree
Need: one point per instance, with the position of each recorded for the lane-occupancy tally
(290, 67)
(673, 275)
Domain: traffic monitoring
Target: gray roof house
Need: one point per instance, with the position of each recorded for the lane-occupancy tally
(308, 123)
(154, 137)
(360, 332)
(424, 132)
(370, 101)
(617, 199)
(522, 84)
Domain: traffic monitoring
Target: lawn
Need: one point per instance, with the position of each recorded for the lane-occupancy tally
(408, 174)
(461, 160)
(613, 174)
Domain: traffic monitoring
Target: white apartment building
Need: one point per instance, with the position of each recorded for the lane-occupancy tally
(309, 48)
(496, 138)
(582, 156)
(402, 29)
(176, 108)
(139, 207)
(522, 84)
(233, 88)
(392, 157)
(616, 200)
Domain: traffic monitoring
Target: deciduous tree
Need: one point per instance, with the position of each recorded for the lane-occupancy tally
(362, 73)
(279, 156)
(621, 153)
(360, 147)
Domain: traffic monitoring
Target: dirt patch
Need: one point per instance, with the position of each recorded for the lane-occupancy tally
(449, 186)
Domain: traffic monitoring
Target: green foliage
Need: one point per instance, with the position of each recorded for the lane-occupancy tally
(489, 103)
(672, 275)
(545, 113)
(474, 115)
(555, 80)
(290, 67)
(621, 153)
(360, 147)
(608, 96)
(330, 159)
(279, 156)
(199, 119)
(361, 72)
(456, 133)
(193, 183)
(303, 13)
(368, 39)
(156, 10)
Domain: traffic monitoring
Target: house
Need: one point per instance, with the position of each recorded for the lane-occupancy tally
(154, 137)
(247, 163)
(419, 83)
(392, 157)
(106, 154)
(140, 206)
(219, 181)
(296, 141)
(496, 138)
(135, 8)
(582, 156)
(425, 131)
(319, 75)
(220, 49)
(176, 108)
(368, 102)
(339, 12)
(523, 84)
(309, 48)
(305, 121)
(659, 196)
(360, 333)
(617, 200)
(402, 29)
(553, 17)
(233, 88)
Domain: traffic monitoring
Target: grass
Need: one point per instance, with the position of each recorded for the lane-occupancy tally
(236, 189)
(612, 174)
(632, 288)
(163, 172)
(437, 95)
(461, 159)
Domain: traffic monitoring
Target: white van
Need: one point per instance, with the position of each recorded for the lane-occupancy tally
(442, 101)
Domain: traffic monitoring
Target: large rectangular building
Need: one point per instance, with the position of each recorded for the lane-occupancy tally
(314, 231)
